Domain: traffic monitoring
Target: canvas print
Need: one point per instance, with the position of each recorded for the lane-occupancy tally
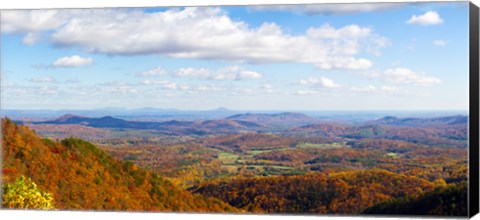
(320, 109)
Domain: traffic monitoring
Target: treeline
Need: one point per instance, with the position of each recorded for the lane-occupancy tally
(80, 176)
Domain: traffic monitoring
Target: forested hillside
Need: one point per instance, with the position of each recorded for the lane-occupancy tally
(341, 193)
(246, 172)
(443, 201)
(80, 176)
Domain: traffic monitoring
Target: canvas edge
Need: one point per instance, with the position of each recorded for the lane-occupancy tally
(474, 96)
(473, 194)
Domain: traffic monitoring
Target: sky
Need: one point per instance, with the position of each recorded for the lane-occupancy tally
(390, 56)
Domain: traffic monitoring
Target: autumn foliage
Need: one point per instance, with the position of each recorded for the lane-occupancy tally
(82, 177)
(342, 193)
(317, 169)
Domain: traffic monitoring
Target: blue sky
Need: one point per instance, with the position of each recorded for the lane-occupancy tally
(299, 57)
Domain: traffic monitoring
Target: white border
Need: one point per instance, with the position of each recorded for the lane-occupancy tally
(73, 215)
(37, 4)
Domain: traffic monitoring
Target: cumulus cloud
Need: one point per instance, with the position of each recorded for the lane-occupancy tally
(199, 33)
(228, 73)
(329, 9)
(407, 76)
(157, 71)
(429, 18)
(30, 21)
(440, 43)
(72, 61)
(322, 82)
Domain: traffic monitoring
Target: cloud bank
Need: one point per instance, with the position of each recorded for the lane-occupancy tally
(196, 33)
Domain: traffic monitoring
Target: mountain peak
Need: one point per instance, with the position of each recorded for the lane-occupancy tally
(389, 118)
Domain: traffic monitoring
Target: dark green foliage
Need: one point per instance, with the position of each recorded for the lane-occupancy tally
(443, 201)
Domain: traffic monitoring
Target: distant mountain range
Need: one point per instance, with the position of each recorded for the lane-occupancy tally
(232, 124)
(286, 118)
(420, 122)
(172, 127)
(441, 131)
(251, 120)
(150, 114)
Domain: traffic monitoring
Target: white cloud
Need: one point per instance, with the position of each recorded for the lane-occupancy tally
(371, 74)
(368, 88)
(46, 79)
(440, 43)
(305, 92)
(242, 91)
(45, 90)
(199, 33)
(31, 38)
(165, 84)
(268, 88)
(227, 73)
(329, 9)
(207, 88)
(245, 74)
(28, 21)
(15, 91)
(407, 76)
(153, 82)
(72, 61)
(117, 88)
(429, 18)
(157, 71)
(375, 89)
(322, 82)
(193, 73)
(402, 76)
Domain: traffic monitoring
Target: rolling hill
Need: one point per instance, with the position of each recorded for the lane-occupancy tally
(80, 176)
(172, 127)
(341, 193)
(443, 131)
(421, 122)
(443, 201)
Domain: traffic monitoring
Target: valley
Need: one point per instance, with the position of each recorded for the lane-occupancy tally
(215, 157)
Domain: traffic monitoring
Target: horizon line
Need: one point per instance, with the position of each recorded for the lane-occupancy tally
(238, 110)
